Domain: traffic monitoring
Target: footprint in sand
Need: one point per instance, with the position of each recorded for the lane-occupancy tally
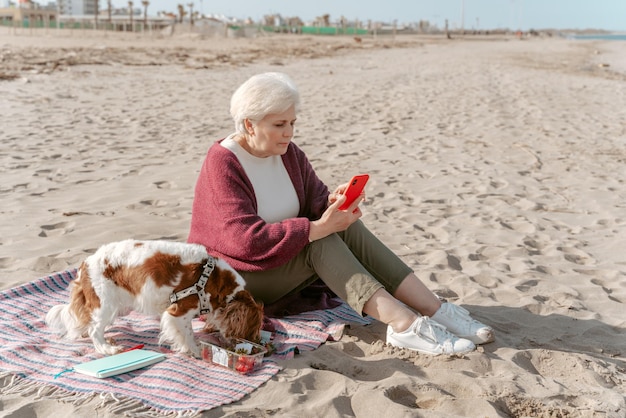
(574, 255)
(608, 291)
(6, 262)
(348, 154)
(163, 184)
(146, 204)
(57, 229)
(52, 157)
(402, 400)
(498, 184)
(333, 361)
(50, 263)
(485, 280)
(551, 271)
(454, 263)
(24, 186)
(130, 173)
(422, 397)
(352, 371)
(435, 258)
(91, 181)
(42, 172)
(527, 285)
(403, 396)
(535, 244)
(548, 364)
(522, 226)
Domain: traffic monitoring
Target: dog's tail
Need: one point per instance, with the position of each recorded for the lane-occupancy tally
(63, 318)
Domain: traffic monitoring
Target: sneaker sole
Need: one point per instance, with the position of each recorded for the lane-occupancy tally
(430, 353)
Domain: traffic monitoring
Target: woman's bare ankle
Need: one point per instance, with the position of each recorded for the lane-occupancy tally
(403, 323)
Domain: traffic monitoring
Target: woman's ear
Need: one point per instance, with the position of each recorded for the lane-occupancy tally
(249, 126)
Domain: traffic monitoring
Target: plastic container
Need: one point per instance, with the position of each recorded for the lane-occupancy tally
(237, 354)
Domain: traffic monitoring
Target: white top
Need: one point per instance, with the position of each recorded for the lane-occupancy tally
(276, 197)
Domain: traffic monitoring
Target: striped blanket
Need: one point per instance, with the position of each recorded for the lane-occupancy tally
(32, 356)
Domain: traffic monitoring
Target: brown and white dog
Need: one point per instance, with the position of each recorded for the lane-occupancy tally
(157, 278)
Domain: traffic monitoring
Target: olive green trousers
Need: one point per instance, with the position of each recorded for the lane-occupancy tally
(353, 263)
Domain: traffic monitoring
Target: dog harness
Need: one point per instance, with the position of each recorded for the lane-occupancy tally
(198, 288)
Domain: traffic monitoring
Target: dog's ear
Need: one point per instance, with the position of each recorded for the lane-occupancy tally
(241, 318)
(209, 327)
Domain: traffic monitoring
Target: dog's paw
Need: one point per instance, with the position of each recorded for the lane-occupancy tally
(191, 351)
(108, 349)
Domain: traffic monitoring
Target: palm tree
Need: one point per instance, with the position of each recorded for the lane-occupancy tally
(130, 14)
(181, 12)
(95, 14)
(190, 13)
(145, 4)
(109, 8)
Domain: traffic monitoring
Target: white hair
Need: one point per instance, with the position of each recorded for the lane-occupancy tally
(262, 95)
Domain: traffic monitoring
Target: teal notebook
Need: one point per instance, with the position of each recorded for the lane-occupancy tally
(119, 363)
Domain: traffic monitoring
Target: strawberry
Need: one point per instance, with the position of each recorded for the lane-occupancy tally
(207, 355)
(245, 364)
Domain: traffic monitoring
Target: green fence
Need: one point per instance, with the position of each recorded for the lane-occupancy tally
(329, 30)
(76, 24)
(41, 24)
(309, 30)
(315, 30)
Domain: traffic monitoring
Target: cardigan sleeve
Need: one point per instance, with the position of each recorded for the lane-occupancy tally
(224, 213)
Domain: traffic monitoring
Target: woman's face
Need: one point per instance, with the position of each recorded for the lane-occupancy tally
(272, 134)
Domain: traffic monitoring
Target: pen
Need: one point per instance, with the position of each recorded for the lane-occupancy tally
(137, 347)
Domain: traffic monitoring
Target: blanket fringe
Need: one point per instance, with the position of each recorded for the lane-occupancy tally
(14, 385)
(136, 409)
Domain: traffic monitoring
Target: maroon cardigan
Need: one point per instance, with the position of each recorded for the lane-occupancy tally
(224, 214)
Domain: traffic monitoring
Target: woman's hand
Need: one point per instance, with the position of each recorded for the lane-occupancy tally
(335, 220)
(332, 197)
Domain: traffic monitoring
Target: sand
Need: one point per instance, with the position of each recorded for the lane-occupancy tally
(497, 172)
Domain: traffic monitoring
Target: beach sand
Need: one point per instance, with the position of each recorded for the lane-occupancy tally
(497, 173)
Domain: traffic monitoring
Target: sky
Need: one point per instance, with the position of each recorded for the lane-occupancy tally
(468, 14)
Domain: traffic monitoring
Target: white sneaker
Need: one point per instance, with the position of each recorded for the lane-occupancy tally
(428, 337)
(458, 321)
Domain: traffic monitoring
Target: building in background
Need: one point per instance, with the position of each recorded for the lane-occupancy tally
(28, 14)
(77, 7)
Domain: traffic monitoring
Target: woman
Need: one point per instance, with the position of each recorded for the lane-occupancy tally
(259, 205)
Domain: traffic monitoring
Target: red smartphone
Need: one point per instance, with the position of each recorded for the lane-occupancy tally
(354, 189)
